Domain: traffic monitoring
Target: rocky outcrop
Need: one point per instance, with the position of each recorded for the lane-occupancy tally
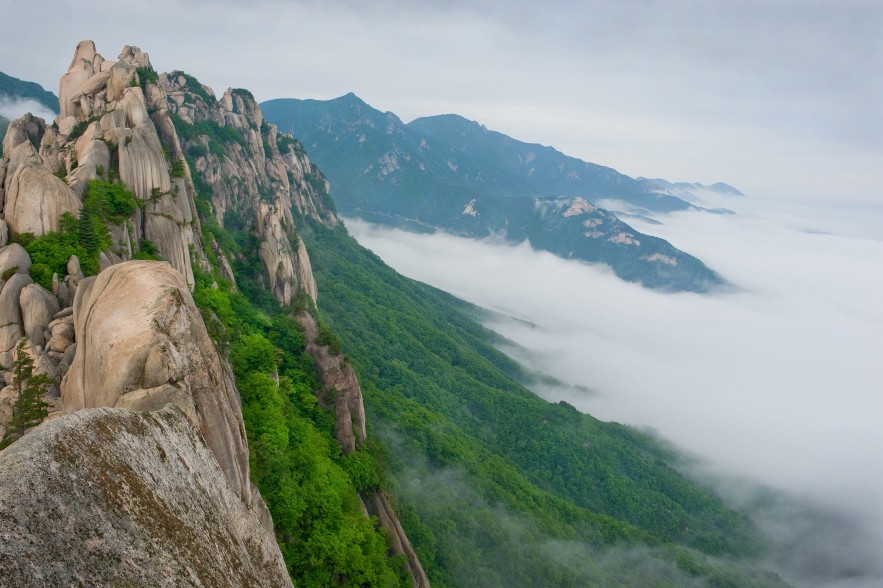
(377, 504)
(34, 198)
(109, 497)
(141, 344)
(257, 176)
(337, 376)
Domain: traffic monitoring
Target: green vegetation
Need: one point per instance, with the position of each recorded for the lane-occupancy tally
(104, 203)
(80, 128)
(193, 86)
(494, 486)
(309, 487)
(29, 409)
(146, 75)
(485, 472)
(217, 136)
(16, 88)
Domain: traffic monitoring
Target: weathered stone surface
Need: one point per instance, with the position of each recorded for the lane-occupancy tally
(35, 199)
(28, 128)
(38, 306)
(14, 256)
(73, 267)
(108, 497)
(4, 233)
(275, 252)
(336, 374)
(11, 323)
(305, 271)
(137, 331)
(378, 505)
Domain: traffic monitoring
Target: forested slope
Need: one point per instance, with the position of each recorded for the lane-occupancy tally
(489, 476)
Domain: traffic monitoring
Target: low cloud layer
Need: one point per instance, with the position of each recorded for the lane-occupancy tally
(777, 383)
(12, 109)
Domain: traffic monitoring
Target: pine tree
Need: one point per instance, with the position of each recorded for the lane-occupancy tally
(30, 409)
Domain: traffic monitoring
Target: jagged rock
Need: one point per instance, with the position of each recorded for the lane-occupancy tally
(93, 155)
(35, 199)
(67, 359)
(2, 183)
(27, 129)
(336, 374)
(73, 267)
(305, 272)
(38, 305)
(58, 344)
(107, 497)
(378, 505)
(11, 323)
(103, 261)
(14, 256)
(140, 338)
(4, 231)
(62, 326)
(276, 254)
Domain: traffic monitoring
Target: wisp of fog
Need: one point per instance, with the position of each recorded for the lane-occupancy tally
(777, 381)
(13, 108)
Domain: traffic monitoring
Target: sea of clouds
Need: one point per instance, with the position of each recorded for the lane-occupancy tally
(777, 382)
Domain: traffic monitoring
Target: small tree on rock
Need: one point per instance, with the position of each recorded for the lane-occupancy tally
(30, 409)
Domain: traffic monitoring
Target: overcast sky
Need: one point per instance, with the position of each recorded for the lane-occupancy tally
(775, 96)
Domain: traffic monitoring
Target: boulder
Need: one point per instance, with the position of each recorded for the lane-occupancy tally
(73, 267)
(142, 343)
(38, 306)
(11, 323)
(108, 497)
(35, 199)
(27, 129)
(14, 256)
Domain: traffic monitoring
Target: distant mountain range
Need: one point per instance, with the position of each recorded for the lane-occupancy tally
(448, 173)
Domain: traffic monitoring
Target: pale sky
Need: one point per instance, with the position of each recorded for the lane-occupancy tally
(781, 98)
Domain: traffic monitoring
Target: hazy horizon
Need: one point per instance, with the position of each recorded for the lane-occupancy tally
(764, 96)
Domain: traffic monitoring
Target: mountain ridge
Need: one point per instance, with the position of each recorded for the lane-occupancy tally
(421, 177)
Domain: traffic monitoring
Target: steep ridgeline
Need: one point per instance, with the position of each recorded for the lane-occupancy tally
(141, 166)
(454, 175)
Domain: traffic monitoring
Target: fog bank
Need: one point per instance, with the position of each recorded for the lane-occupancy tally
(778, 382)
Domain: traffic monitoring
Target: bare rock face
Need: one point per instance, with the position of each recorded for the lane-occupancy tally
(14, 256)
(122, 136)
(108, 497)
(305, 271)
(38, 306)
(141, 343)
(11, 322)
(276, 254)
(34, 198)
(338, 375)
(28, 128)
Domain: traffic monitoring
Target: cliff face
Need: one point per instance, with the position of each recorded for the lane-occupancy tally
(180, 509)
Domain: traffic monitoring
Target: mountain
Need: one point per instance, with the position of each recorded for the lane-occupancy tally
(150, 263)
(452, 174)
(16, 89)
(210, 383)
